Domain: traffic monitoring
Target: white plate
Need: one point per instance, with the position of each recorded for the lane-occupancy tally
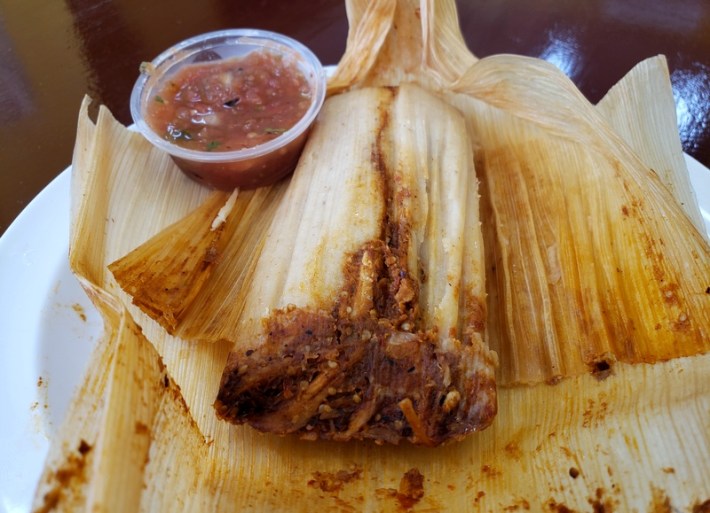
(49, 326)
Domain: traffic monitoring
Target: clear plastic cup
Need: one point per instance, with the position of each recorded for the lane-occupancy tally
(251, 167)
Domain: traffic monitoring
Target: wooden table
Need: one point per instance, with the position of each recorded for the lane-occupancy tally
(54, 52)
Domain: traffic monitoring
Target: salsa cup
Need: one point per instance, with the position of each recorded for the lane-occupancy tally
(249, 167)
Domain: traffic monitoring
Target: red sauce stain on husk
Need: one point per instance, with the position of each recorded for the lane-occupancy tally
(67, 480)
(410, 492)
(513, 450)
(333, 482)
(660, 502)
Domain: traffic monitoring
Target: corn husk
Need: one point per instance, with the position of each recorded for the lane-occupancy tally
(587, 263)
(166, 278)
(637, 440)
(585, 276)
(198, 267)
(391, 42)
(644, 99)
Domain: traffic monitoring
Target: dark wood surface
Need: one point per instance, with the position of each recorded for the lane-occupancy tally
(52, 52)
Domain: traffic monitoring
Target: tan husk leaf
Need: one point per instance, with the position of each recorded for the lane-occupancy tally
(191, 276)
(581, 275)
(391, 42)
(591, 258)
(641, 109)
(175, 274)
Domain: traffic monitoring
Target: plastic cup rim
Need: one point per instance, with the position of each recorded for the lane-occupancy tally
(244, 36)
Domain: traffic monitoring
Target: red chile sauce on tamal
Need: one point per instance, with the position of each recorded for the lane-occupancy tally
(230, 104)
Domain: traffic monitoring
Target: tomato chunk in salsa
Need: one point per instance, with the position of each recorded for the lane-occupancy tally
(230, 104)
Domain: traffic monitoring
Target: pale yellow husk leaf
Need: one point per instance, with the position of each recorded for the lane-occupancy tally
(584, 274)
(641, 109)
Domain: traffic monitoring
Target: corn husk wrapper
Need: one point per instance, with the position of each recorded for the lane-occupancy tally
(198, 266)
(598, 274)
(656, 143)
(638, 439)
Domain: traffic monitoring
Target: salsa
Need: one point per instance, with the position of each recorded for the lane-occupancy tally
(230, 104)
